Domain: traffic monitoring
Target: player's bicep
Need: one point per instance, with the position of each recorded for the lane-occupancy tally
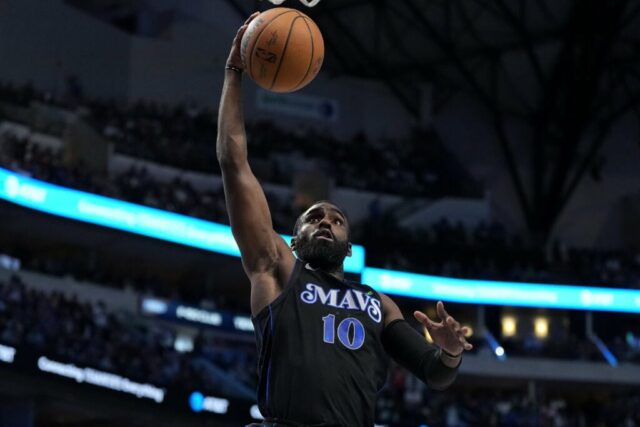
(250, 220)
(390, 309)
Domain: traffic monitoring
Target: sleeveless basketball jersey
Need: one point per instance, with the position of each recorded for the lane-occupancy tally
(321, 361)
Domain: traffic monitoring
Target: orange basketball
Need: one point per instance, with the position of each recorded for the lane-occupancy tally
(282, 50)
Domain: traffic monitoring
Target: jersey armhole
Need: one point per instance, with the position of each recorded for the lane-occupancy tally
(287, 288)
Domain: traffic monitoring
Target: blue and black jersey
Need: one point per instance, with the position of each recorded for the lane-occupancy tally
(321, 361)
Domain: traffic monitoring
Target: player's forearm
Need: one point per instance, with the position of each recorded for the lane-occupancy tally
(411, 350)
(231, 146)
(439, 373)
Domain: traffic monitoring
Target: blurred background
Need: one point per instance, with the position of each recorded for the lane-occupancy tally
(486, 153)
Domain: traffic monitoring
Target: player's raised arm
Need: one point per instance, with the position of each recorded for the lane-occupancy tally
(264, 254)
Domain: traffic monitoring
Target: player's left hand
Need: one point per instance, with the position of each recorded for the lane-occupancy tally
(446, 334)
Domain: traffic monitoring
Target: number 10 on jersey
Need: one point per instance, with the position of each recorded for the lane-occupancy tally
(350, 331)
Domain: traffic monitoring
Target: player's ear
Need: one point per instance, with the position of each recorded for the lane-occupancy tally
(293, 244)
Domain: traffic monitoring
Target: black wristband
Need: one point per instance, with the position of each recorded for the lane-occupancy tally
(449, 354)
(233, 68)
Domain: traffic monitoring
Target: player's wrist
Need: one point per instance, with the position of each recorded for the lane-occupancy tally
(449, 359)
(459, 354)
(233, 66)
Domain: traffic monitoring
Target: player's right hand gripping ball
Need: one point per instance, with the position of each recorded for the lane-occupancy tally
(282, 50)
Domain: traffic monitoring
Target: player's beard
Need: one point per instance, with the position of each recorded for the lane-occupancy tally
(323, 254)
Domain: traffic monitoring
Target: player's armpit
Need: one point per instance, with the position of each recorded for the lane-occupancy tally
(267, 286)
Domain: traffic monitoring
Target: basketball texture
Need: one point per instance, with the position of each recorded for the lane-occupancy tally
(282, 50)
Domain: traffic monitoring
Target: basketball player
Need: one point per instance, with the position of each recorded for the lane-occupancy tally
(323, 341)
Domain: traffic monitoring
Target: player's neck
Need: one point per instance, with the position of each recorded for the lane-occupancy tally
(337, 273)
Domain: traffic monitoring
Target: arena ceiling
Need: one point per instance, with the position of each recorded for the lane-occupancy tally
(568, 70)
(500, 50)
(505, 52)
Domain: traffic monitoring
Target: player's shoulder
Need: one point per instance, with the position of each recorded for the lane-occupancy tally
(363, 286)
(390, 309)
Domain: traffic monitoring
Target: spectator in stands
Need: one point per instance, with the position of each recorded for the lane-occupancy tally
(86, 334)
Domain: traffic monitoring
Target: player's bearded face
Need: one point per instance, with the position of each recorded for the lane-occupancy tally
(321, 253)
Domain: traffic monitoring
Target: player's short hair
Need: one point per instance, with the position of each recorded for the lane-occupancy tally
(298, 224)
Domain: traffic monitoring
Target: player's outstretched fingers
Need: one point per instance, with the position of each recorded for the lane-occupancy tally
(453, 325)
(462, 333)
(424, 319)
(442, 313)
(465, 344)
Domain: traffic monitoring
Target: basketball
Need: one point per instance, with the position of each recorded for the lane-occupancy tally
(282, 50)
